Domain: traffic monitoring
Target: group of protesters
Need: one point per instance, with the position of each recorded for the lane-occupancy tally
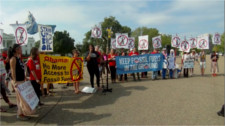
(99, 61)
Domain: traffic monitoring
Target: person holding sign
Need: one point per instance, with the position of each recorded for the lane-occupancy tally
(33, 65)
(171, 63)
(154, 73)
(123, 76)
(18, 77)
(92, 65)
(76, 84)
(185, 57)
(134, 53)
(112, 65)
(202, 62)
(192, 56)
(214, 58)
(165, 63)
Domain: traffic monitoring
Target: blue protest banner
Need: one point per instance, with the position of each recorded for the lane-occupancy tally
(140, 63)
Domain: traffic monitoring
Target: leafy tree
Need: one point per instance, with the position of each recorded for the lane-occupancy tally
(62, 43)
(109, 22)
(151, 32)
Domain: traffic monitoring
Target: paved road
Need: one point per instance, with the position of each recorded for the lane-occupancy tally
(183, 101)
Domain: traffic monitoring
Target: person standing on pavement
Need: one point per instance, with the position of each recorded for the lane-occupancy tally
(214, 59)
(123, 76)
(76, 83)
(134, 53)
(112, 65)
(154, 73)
(92, 65)
(18, 77)
(165, 63)
(202, 57)
(33, 65)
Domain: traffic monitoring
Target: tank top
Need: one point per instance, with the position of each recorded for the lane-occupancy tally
(20, 74)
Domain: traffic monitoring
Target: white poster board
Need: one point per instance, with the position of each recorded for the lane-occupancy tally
(143, 42)
(26, 90)
(46, 38)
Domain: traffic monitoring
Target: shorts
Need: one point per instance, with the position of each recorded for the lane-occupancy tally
(202, 65)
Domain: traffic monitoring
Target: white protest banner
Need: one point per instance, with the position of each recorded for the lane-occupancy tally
(143, 42)
(175, 41)
(185, 46)
(46, 36)
(122, 40)
(20, 32)
(193, 42)
(113, 43)
(26, 90)
(171, 62)
(216, 40)
(131, 42)
(203, 41)
(156, 42)
(96, 32)
(189, 63)
(1, 39)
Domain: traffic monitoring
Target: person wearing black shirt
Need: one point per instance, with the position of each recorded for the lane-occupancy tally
(92, 65)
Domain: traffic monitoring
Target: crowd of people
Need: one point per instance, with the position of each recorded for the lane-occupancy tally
(99, 64)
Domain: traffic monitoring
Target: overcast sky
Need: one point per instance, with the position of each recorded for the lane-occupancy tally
(191, 17)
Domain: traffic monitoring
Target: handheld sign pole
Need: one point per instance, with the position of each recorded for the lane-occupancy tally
(107, 78)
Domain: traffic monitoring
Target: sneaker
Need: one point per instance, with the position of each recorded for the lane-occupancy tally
(220, 114)
(40, 104)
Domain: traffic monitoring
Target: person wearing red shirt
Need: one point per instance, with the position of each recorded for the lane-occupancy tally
(134, 53)
(154, 73)
(33, 65)
(112, 65)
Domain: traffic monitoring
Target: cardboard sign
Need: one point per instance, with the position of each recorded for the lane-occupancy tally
(113, 43)
(46, 37)
(189, 63)
(61, 69)
(216, 40)
(96, 32)
(122, 40)
(175, 42)
(185, 46)
(143, 42)
(131, 42)
(20, 32)
(26, 90)
(203, 42)
(156, 42)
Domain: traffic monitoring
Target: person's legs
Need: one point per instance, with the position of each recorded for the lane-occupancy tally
(153, 75)
(91, 73)
(112, 73)
(164, 73)
(96, 72)
(133, 74)
(115, 75)
(138, 76)
(125, 77)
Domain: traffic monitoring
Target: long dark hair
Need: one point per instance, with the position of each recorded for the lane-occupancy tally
(12, 50)
(93, 48)
(33, 53)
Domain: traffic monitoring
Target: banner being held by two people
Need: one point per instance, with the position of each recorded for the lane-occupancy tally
(61, 69)
(140, 63)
